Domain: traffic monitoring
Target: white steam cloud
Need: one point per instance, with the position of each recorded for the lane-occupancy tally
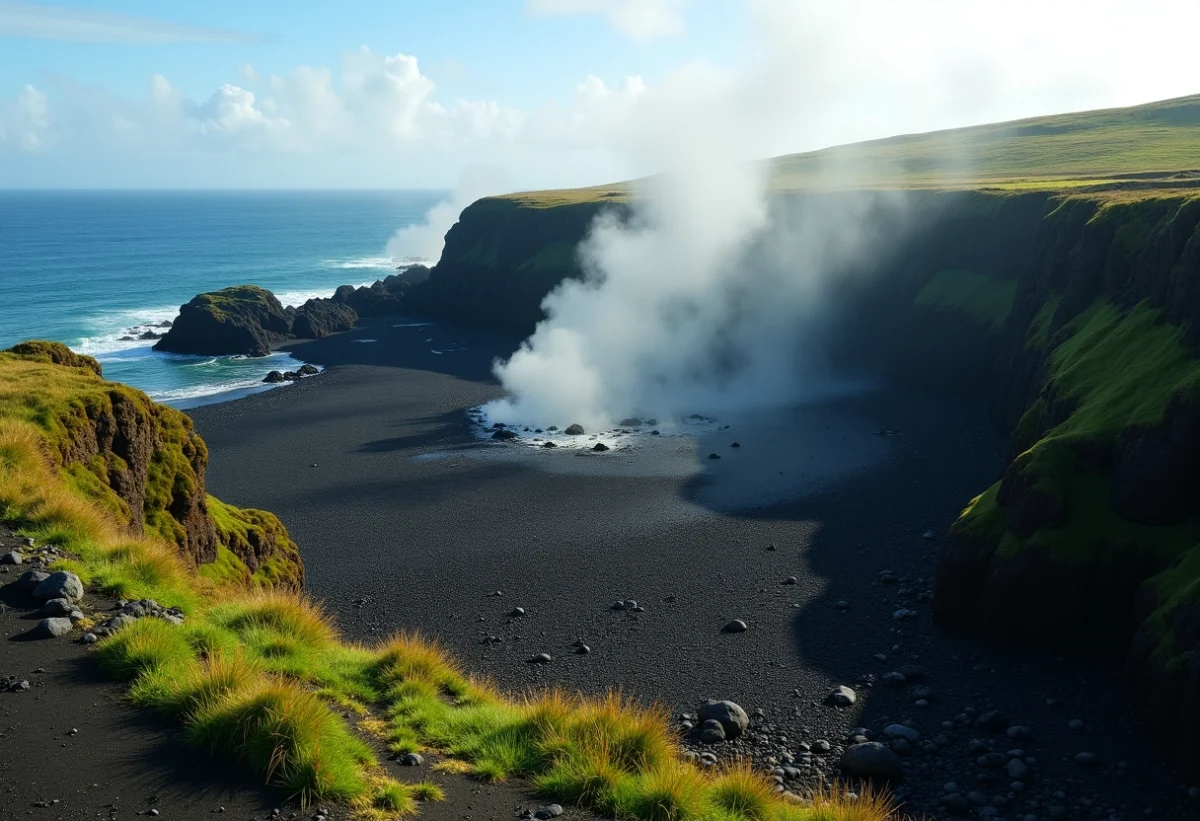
(707, 298)
(422, 242)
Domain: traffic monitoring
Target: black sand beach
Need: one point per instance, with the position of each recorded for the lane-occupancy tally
(407, 521)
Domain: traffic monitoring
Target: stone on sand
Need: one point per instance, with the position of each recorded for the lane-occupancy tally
(871, 758)
(52, 628)
(59, 585)
(730, 716)
(574, 430)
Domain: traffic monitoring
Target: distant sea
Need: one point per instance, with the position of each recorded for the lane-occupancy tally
(87, 268)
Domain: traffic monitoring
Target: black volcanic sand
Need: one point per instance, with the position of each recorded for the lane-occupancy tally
(71, 747)
(407, 521)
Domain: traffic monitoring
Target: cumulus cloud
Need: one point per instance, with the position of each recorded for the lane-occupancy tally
(640, 20)
(26, 124)
(79, 25)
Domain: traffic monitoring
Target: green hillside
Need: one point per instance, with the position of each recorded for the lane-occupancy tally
(1147, 147)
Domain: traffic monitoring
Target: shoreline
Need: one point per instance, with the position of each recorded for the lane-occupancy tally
(407, 521)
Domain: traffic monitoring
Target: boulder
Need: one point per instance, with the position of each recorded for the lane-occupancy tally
(12, 557)
(52, 628)
(30, 579)
(871, 759)
(730, 716)
(321, 317)
(244, 319)
(574, 430)
(841, 696)
(375, 300)
(60, 585)
(308, 370)
(273, 378)
(57, 607)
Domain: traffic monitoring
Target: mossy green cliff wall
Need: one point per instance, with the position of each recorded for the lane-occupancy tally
(141, 462)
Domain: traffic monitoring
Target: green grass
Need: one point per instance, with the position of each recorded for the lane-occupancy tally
(983, 300)
(1140, 148)
(236, 299)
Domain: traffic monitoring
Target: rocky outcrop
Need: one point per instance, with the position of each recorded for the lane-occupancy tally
(319, 318)
(249, 320)
(140, 461)
(244, 319)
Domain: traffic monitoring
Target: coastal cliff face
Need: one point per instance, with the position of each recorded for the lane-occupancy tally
(139, 461)
(1077, 319)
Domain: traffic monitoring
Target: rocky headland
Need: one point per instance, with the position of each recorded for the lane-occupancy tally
(248, 320)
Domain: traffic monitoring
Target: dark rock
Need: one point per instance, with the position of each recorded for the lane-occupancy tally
(871, 760)
(631, 422)
(52, 628)
(30, 579)
(730, 716)
(734, 626)
(60, 584)
(549, 811)
(412, 760)
(504, 435)
(308, 370)
(549, 445)
(244, 319)
(147, 335)
(599, 447)
(714, 456)
(574, 430)
(12, 557)
(712, 732)
(319, 318)
(273, 378)
(373, 300)
(841, 696)
(541, 658)
(57, 607)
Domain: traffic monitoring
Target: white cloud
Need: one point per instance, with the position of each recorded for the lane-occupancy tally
(640, 20)
(45, 22)
(27, 122)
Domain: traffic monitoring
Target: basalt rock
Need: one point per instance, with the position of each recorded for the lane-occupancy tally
(244, 319)
(319, 318)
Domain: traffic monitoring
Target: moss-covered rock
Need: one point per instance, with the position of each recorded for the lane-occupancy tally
(244, 319)
(140, 461)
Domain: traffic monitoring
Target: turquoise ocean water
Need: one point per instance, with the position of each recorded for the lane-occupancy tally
(87, 268)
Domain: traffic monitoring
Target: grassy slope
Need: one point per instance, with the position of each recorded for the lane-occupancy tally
(1151, 145)
(262, 677)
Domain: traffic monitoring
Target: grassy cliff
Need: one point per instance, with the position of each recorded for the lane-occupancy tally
(258, 675)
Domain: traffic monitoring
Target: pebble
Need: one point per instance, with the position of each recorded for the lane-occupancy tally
(821, 746)
(541, 658)
(841, 696)
(549, 811)
(734, 626)
(1075, 725)
(412, 760)
(901, 731)
(789, 580)
(1087, 759)
(516, 612)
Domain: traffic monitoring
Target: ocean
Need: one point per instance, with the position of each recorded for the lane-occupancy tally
(87, 268)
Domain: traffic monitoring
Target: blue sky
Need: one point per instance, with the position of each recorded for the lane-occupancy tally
(403, 93)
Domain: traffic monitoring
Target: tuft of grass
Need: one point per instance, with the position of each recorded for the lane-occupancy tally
(287, 736)
(428, 791)
(743, 793)
(675, 792)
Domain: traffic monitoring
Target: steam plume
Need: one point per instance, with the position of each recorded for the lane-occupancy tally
(705, 299)
(423, 241)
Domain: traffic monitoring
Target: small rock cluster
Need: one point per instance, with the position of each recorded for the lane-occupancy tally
(131, 611)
